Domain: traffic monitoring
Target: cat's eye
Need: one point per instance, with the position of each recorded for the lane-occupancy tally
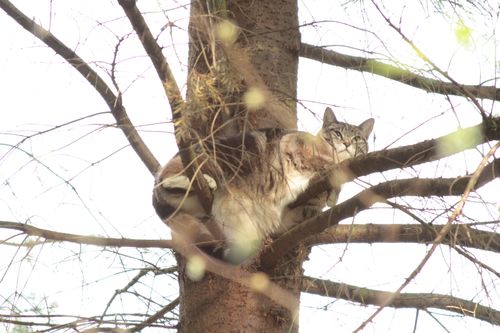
(338, 133)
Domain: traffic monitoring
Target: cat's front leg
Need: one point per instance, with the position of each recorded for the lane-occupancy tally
(332, 197)
(310, 209)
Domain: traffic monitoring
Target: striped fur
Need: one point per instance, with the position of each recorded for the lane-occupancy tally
(256, 175)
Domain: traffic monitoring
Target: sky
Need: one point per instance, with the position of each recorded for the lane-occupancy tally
(83, 178)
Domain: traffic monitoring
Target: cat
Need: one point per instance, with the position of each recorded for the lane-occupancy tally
(255, 176)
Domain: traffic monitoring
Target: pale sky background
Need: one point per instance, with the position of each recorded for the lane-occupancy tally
(110, 192)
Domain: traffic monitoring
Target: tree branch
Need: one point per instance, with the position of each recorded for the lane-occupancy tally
(184, 247)
(457, 210)
(156, 316)
(436, 68)
(89, 240)
(361, 64)
(368, 197)
(459, 235)
(155, 54)
(175, 100)
(402, 157)
(114, 103)
(406, 300)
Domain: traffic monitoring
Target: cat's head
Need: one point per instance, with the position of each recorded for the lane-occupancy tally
(348, 140)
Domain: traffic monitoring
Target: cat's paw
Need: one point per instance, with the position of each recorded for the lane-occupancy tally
(180, 181)
(333, 196)
(183, 182)
(211, 182)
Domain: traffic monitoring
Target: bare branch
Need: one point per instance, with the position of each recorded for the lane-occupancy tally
(155, 54)
(471, 184)
(361, 64)
(459, 235)
(365, 199)
(89, 240)
(125, 289)
(405, 300)
(155, 317)
(188, 250)
(395, 73)
(114, 103)
(402, 157)
(422, 56)
(174, 98)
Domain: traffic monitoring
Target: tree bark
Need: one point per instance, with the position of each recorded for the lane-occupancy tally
(216, 304)
(263, 56)
(220, 74)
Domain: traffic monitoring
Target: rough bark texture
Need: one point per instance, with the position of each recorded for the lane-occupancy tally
(216, 304)
(272, 42)
(219, 77)
(264, 55)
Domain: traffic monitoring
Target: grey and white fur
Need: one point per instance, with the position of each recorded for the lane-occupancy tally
(256, 176)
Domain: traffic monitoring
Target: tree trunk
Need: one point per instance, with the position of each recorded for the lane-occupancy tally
(264, 54)
(215, 304)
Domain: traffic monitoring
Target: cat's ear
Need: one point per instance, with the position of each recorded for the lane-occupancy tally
(366, 127)
(329, 117)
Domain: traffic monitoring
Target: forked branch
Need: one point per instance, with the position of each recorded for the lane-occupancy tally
(174, 98)
(114, 103)
(457, 210)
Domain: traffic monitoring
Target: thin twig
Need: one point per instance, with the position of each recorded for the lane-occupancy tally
(155, 317)
(114, 103)
(174, 98)
(422, 56)
(368, 197)
(117, 292)
(439, 238)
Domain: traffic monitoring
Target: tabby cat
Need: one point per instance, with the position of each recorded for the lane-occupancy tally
(256, 176)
